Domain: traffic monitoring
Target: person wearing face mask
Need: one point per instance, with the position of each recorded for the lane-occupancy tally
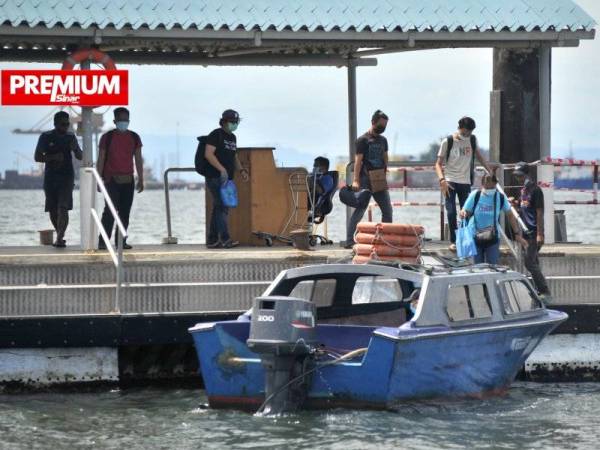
(531, 210)
(455, 168)
(119, 148)
(485, 207)
(371, 155)
(221, 154)
(54, 148)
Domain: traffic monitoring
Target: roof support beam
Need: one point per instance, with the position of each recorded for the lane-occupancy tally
(184, 58)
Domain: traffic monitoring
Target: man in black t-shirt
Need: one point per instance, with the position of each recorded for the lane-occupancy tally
(54, 148)
(371, 154)
(531, 210)
(221, 154)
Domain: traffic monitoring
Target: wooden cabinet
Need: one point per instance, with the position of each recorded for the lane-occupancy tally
(265, 202)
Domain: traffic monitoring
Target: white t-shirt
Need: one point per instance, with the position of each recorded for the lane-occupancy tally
(458, 166)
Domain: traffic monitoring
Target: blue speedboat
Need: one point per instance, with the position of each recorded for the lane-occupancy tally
(338, 335)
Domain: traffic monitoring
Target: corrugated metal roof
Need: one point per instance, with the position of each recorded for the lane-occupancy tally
(310, 15)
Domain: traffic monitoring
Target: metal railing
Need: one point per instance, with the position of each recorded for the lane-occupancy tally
(115, 254)
(170, 239)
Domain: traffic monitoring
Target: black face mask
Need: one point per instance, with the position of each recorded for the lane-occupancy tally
(379, 129)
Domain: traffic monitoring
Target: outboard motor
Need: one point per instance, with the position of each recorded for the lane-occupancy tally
(283, 333)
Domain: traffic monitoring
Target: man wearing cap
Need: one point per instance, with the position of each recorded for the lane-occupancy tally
(371, 155)
(531, 210)
(455, 168)
(221, 154)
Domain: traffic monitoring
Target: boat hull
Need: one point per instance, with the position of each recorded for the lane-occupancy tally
(400, 363)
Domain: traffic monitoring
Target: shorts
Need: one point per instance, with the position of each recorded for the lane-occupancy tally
(59, 193)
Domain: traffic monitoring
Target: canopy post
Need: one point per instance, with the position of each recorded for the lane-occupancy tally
(351, 124)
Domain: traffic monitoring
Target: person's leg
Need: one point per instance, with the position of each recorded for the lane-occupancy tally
(126, 192)
(53, 213)
(65, 204)
(383, 200)
(355, 218)
(62, 222)
(107, 217)
(450, 203)
(219, 227)
(492, 254)
(480, 256)
(532, 263)
(462, 192)
(213, 185)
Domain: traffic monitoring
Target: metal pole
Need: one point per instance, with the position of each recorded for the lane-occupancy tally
(545, 77)
(442, 220)
(169, 239)
(595, 186)
(352, 127)
(87, 183)
(405, 189)
(119, 269)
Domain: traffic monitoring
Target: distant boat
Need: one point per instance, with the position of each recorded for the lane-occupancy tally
(573, 177)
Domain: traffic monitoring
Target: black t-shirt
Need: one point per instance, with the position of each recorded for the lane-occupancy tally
(532, 199)
(226, 146)
(51, 143)
(373, 148)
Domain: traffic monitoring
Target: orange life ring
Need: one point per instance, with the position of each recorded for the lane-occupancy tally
(91, 54)
(399, 240)
(391, 228)
(360, 259)
(385, 250)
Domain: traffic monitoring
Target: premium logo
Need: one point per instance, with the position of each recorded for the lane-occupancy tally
(65, 87)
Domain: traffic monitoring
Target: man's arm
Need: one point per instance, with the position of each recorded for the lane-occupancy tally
(40, 152)
(358, 162)
(516, 230)
(539, 214)
(439, 167)
(76, 149)
(101, 161)
(483, 162)
(241, 169)
(139, 168)
(209, 154)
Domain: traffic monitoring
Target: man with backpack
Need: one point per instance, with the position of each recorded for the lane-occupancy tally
(455, 168)
(217, 160)
(118, 150)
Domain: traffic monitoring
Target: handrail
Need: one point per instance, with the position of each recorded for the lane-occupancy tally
(116, 256)
(170, 239)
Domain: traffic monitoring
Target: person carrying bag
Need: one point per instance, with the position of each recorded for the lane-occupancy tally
(485, 206)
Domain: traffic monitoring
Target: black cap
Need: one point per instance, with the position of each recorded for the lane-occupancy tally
(230, 115)
(522, 168)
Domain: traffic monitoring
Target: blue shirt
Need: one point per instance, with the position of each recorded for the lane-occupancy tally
(326, 182)
(484, 212)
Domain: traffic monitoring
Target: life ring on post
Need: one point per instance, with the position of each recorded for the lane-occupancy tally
(90, 54)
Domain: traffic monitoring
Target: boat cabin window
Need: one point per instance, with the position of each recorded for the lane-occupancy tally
(376, 289)
(468, 302)
(519, 297)
(320, 291)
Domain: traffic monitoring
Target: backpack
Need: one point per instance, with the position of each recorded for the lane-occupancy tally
(450, 140)
(200, 162)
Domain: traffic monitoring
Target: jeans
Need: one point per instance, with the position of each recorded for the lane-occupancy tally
(122, 197)
(490, 255)
(383, 201)
(532, 263)
(462, 191)
(218, 228)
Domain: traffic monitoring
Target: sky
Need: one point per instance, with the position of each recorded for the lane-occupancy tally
(302, 112)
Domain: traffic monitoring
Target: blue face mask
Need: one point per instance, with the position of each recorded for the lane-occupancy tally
(232, 126)
(122, 125)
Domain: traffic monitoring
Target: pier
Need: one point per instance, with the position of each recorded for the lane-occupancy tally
(59, 326)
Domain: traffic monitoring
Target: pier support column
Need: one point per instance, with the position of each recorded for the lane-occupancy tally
(352, 124)
(87, 184)
(522, 85)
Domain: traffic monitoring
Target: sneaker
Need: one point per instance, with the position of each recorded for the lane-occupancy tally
(230, 243)
(349, 245)
(216, 244)
(452, 248)
(126, 246)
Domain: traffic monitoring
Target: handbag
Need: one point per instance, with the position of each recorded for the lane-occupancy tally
(229, 195)
(465, 243)
(488, 236)
(354, 199)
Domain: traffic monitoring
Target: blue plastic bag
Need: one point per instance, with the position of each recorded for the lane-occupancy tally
(465, 240)
(229, 195)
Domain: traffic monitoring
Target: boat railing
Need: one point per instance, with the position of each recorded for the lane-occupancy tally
(170, 239)
(116, 254)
